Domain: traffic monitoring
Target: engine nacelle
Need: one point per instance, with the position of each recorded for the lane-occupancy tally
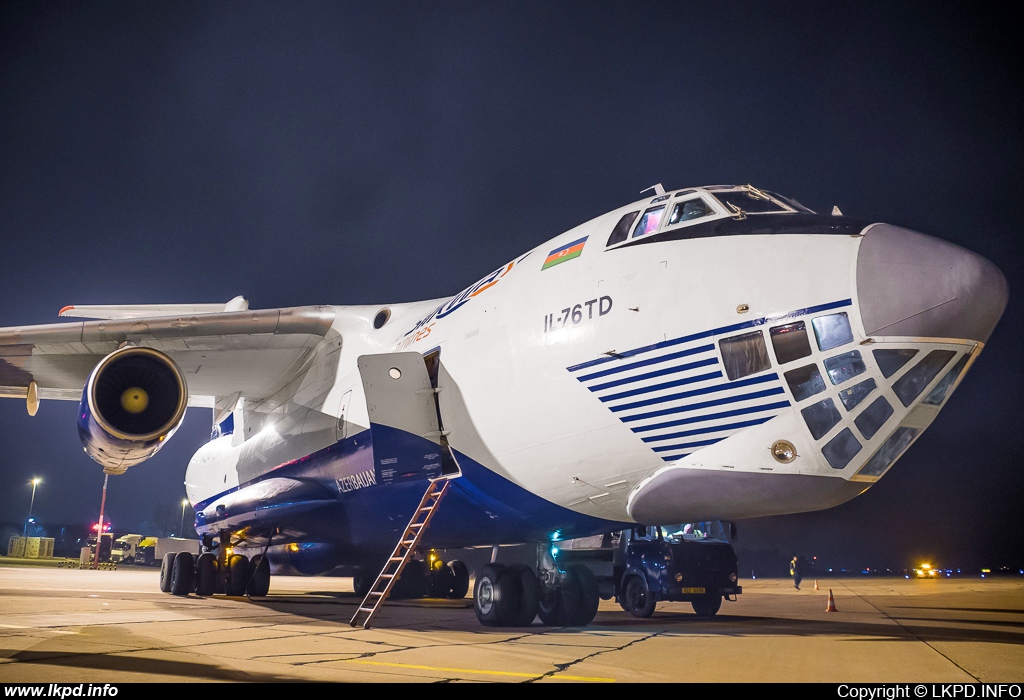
(133, 402)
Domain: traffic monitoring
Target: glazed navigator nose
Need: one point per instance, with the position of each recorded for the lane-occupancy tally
(910, 284)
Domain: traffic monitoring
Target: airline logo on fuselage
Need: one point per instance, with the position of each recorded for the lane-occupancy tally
(422, 329)
(356, 481)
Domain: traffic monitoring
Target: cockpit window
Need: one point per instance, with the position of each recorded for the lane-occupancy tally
(689, 210)
(621, 230)
(649, 222)
(750, 203)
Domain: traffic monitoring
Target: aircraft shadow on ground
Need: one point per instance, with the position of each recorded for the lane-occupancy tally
(434, 614)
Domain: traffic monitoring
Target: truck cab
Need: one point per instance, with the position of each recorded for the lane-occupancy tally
(683, 562)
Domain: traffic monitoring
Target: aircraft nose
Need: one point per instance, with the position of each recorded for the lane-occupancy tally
(911, 284)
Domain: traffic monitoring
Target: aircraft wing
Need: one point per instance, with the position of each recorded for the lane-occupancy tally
(254, 354)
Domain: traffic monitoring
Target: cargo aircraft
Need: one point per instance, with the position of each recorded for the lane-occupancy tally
(710, 353)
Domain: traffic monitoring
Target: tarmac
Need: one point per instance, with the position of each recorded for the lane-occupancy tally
(60, 625)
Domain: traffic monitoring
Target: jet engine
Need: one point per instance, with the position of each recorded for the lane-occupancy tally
(133, 402)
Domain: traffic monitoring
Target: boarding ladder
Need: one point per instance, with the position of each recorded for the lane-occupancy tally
(403, 553)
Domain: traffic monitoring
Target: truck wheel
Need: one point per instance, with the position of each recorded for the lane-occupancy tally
(183, 573)
(259, 576)
(166, 567)
(638, 601)
(206, 574)
(460, 584)
(708, 605)
(587, 598)
(496, 596)
(238, 575)
(529, 595)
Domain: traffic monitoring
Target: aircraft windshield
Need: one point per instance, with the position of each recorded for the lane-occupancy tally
(707, 530)
(750, 203)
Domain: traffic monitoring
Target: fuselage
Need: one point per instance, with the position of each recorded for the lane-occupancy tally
(686, 357)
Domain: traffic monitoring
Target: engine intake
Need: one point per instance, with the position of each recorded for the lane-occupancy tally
(133, 402)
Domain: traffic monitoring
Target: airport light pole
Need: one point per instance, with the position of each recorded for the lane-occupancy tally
(35, 482)
(181, 527)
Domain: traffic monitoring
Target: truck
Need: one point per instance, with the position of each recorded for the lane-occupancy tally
(639, 567)
(151, 550)
(125, 549)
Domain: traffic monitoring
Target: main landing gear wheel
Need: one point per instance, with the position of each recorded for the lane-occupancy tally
(529, 595)
(259, 577)
(361, 584)
(166, 567)
(460, 582)
(412, 582)
(440, 580)
(496, 596)
(708, 605)
(637, 600)
(206, 574)
(238, 575)
(183, 573)
(574, 603)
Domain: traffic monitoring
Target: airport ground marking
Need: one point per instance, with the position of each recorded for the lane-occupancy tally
(418, 667)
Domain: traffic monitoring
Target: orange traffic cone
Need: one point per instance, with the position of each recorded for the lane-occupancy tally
(831, 602)
(815, 584)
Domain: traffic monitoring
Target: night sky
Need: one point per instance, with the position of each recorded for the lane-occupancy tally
(376, 152)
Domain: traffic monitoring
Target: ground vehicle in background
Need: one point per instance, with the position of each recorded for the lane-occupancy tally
(687, 562)
(124, 549)
(151, 550)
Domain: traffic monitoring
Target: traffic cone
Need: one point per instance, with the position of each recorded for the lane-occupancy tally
(831, 602)
(815, 584)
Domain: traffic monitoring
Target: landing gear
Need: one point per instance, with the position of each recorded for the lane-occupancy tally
(259, 577)
(496, 596)
(708, 605)
(460, 580)
(206, 574)
(216, 570)
(514, 595)
(166, 566)
(182, 573)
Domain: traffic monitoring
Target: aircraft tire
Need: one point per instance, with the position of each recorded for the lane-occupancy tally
(166, 567)
(496, 595)
(238, 575)
(460, 584)
(439, 582)
(529, 595)
(637, 600)
(708, 605)
(259, 577)
(206, 574)
(587, 600)
(412, 582)
(361, 584)
(183, 573)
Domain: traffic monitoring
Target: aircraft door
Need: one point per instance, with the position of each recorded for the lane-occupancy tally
(404, 422)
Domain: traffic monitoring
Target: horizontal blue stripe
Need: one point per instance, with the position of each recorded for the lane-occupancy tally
(702, 443)
(705, 404)
(663, 385)
(696, 392)
(712, 416)
(673, 458)
(651, 361)
(710, 429)
(568, 245)
(659, 373)
(706, 334)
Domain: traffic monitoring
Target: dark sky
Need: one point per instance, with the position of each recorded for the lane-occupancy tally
(346, 153)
